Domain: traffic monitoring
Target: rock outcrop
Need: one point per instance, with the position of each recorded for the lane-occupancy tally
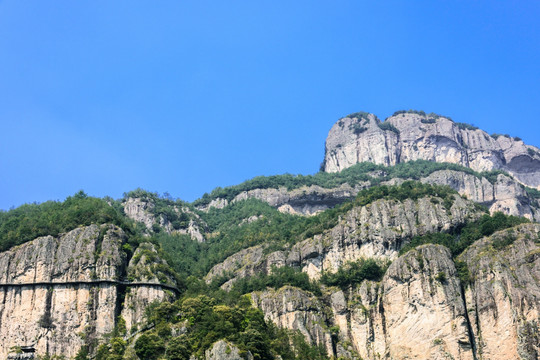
(423, 309)
(503, 299)
(377, 230)
(222, 350)
(142, 210)
(407, 136)
(307, 200)
(504, 195)
(58, 294)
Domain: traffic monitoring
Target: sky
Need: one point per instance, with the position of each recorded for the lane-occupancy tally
(185, 96)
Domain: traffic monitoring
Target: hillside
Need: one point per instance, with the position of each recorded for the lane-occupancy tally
(389, 253)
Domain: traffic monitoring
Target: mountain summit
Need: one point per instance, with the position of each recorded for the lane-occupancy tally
(415, 135)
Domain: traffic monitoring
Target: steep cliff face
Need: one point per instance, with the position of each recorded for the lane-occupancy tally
(504, 296)
(59, 294)
(422, 310)
(410, 136)
(145, 267)
(504, 195)
(377, 230)
(295, 309)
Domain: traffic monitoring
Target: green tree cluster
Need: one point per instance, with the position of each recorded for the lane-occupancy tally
(30, 221)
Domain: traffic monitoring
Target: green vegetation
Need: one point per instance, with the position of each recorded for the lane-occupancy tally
(358, 115)
(206, 320)
(30, 221)
(496, 136)
(278, 278)
(417, 112)
(354, 175)
(429, 118)
(282, 230)
(164, 206)
(357, 129)
(386, 126)
(354, 273)
(465, 126)
(462, 237)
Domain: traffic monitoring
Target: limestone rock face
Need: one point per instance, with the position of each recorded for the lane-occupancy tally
(295, 309)
(307, 200)
(503, 299)
(377, 230)
(141, 210)
(360, 138)
(422, 310)
(505, 194)
(223, 350)
(145, 267)
(424, 315)
(49, 296)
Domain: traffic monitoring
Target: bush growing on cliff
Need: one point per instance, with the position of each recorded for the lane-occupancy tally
(354, 273)
(278, 278)
(354, 175)
(386, 126)
(462, 237)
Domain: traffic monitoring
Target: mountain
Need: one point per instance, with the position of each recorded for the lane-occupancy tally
(419, 240)
(413, 135)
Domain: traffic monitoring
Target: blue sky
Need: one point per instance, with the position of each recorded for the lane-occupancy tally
(184, 96)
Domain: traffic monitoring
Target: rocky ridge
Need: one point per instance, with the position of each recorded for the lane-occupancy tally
(407, 136)
(504, 194)
(377, 230)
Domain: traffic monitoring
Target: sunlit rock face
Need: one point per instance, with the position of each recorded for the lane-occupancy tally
(411, 136)
(58, 310)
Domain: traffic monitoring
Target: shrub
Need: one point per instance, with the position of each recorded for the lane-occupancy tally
(386, 126)
(357, 129)
(354, 273)
(465, 126)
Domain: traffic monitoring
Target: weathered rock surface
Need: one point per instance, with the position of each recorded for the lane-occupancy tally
(145, 266)
(424, 315)
(141, 210)
(376, 230)
(222, 350)
(295, 309)
(420, 311)
(504, 195)
(55, 318)
(504, 297)
(307, 200)
(359, 138)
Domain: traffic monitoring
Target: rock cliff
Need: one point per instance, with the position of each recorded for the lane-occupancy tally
(376, 230)
(407, 136)
(142, 209)
(58, 294)
(424, 308)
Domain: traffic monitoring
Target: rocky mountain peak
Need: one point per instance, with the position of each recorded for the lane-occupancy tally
(415, 135)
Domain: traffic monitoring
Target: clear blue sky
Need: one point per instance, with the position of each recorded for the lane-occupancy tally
(184, 96)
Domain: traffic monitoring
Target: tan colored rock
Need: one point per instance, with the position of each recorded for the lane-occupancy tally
(504, 298)
(295, 309)
(424, 314)
(440, 140)
(57, 309)
(223, 350)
